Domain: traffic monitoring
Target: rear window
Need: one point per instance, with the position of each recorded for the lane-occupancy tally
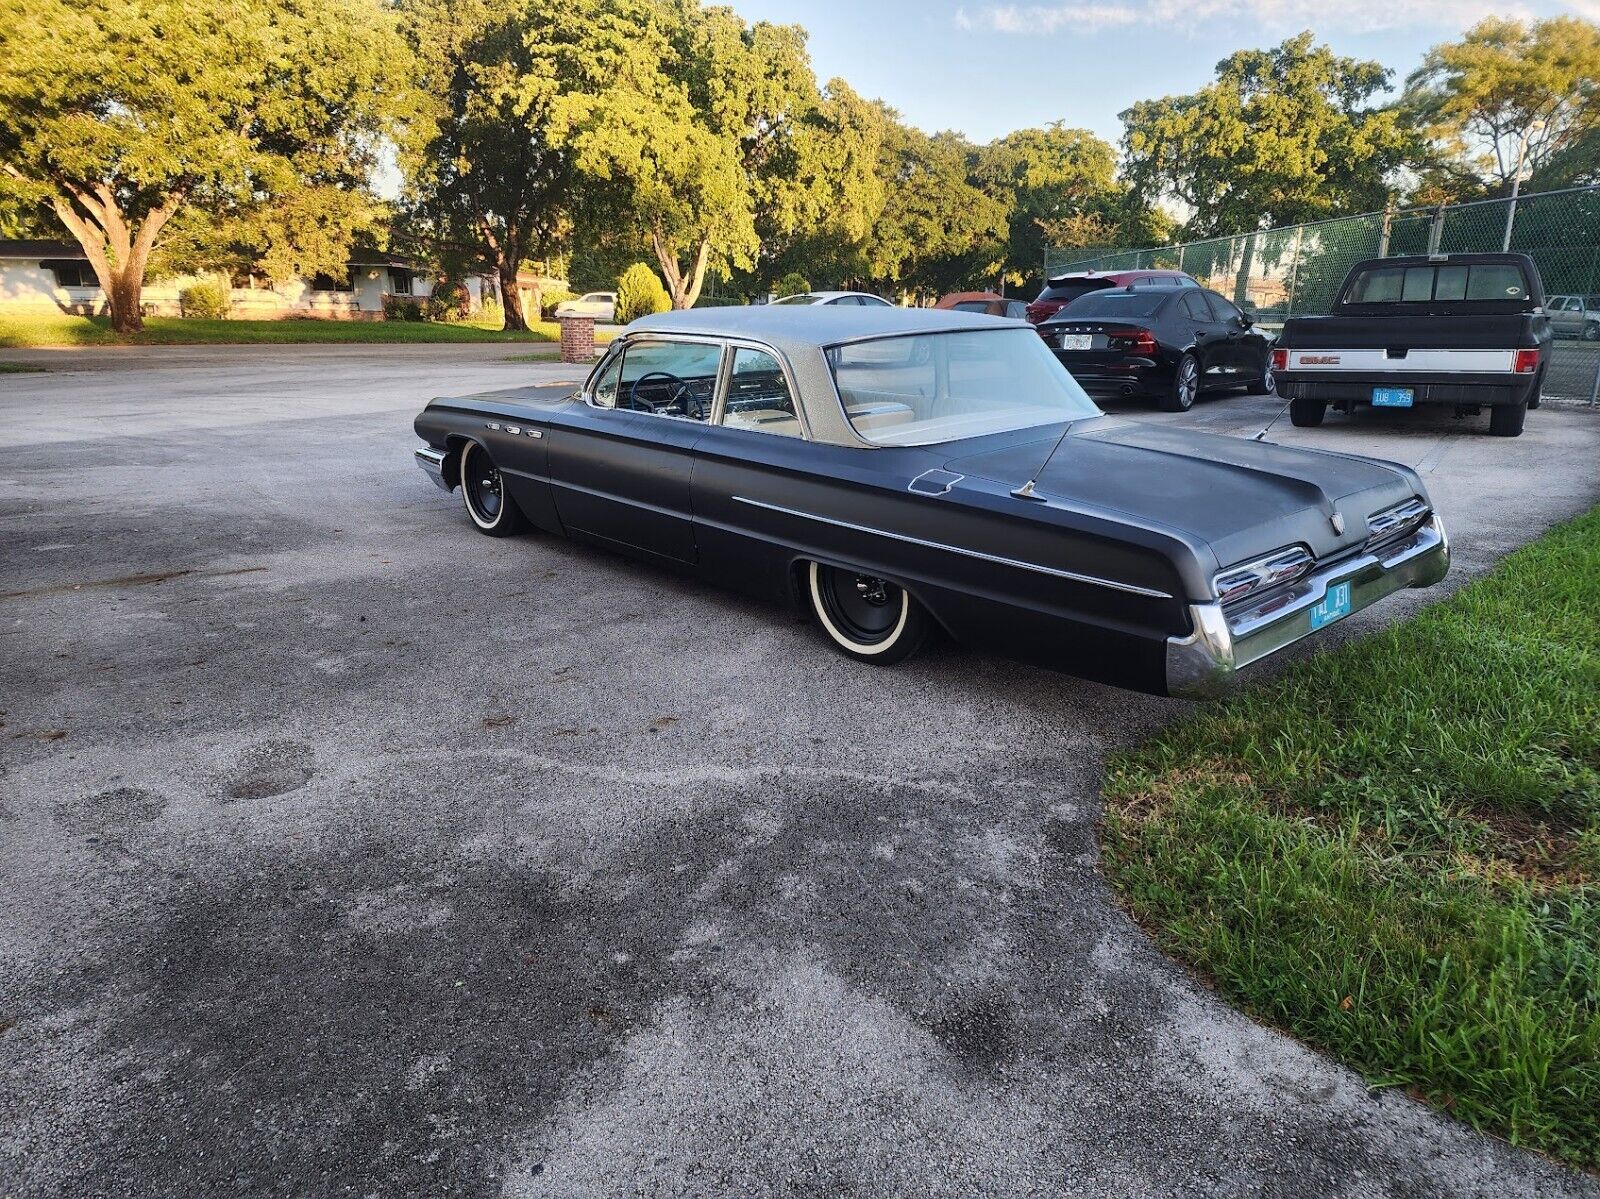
(973, 306)
(1071, 289)
(1116, 303)
(1438, 282)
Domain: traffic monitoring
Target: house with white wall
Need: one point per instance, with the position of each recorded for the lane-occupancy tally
(44, 276)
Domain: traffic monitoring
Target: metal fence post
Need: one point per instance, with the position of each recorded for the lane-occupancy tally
(1294, 269)
(1436, 230)
(1511, 215)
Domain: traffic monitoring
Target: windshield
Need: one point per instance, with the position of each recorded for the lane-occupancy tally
(1115, 304)
(934, 387)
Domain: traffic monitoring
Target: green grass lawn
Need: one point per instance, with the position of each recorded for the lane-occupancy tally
(61, 330)
(18, 368)
(1393, 851)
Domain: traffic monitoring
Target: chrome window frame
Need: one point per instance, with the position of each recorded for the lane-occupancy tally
(719, 407)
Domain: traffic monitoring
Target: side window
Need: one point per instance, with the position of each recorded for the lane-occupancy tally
(1017, 310)
(758, 395)
(1224, 311)
(604, 392)
(1195, 307)
(669, 378)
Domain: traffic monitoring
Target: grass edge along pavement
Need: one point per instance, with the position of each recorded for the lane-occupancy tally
(1392, 851)
(59, 330)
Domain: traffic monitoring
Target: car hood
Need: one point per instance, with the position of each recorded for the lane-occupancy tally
(1242, 498)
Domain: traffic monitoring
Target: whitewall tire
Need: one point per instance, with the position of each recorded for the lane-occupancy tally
(865, 617)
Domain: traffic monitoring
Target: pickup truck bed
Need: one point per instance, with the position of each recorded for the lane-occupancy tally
(1469, 349)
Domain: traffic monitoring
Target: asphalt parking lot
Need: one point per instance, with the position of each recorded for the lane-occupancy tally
(346, 851)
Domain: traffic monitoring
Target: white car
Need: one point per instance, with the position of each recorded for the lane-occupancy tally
(602, 305)
(836, 297)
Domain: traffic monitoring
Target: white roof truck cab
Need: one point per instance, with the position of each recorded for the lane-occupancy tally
(1467, 331)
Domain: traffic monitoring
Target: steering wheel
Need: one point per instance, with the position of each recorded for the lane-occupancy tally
(680, 390)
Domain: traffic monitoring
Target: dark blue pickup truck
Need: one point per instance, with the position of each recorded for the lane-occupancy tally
(1468, 331)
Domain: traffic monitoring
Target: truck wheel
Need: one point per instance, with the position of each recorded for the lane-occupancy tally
(1505, 420)
(1536, 396)
(1591, 331)
(1307, 414)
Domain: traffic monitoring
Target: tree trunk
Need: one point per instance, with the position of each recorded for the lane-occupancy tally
(516, 320)
(118, 251)
(684, 289)
(124, 291)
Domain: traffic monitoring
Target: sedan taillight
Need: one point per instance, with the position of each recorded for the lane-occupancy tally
(1527, 362)
(1282, 566)
(1280, 360)
(1138, 342)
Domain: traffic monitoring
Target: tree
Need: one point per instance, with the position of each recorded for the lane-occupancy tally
(115, 116)
(639, 293)
(483, 169)
(1510, 99)
(1283, 135)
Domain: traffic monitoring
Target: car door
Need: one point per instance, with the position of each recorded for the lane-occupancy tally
(1564, 312)
(1207, 335)
(621, 472)
(1235, 346)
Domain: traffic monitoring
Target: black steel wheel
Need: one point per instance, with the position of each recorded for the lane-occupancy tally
(866, 617)
(483, 489)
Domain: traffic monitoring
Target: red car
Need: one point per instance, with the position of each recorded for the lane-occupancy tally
(1063, 289)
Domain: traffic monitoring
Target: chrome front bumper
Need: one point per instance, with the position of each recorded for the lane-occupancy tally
(432, 463)
(1203, 664)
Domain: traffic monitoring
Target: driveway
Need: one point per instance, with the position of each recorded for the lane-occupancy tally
(345, 851)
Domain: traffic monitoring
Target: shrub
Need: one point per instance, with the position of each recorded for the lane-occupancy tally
(793, 284)
(402, 308)
(639, 293)
(549, 299)
(208, 300)
(490, 312)
(719, 302)
(449, 302)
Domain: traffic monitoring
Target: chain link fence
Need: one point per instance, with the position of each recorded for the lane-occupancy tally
(1296, 270)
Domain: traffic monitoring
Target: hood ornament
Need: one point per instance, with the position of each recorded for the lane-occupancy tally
(1337, 521)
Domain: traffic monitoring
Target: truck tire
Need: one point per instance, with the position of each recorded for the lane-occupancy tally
(1536, 396)
(1307, 414)
(1505, 420)
(1591, 331)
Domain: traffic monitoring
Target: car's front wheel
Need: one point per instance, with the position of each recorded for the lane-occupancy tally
(867, 618)
(483, 490)
(1307, 414)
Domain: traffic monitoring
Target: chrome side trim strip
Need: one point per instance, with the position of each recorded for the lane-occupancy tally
(1130, 588)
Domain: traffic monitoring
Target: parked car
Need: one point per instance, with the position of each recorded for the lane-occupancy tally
(1165, 343)
(847, 298)
(893, 471)
(602, 305)
(1574, 316)
(1465, 331)
(1063, 289)
(984, 301)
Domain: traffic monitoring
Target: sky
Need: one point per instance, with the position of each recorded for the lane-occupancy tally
(988, 68)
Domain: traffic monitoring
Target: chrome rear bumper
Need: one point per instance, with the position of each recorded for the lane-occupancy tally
(432, 462)
(1204, 663)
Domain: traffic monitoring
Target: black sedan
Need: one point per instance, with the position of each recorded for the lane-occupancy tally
(894, 472)
(1168, 344)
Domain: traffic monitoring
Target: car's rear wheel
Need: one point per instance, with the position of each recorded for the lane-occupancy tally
(1264, 384)
(1505, 420)
(1307, 414)
(483, 490)
(867, 618)
(1185, 387)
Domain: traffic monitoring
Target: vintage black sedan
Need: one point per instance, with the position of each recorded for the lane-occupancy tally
(894, 471)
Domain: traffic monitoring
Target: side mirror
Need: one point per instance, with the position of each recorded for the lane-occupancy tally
(1246, 320)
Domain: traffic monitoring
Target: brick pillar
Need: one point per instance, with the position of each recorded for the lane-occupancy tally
(577, 338)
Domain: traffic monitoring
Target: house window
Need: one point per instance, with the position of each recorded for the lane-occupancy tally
(72, 272)
(399, 281)
(325, 282)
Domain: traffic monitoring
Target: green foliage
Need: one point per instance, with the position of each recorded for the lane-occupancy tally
(1511, 96)
(402, 308)
(210, 299)
(792, 284)
(491, 314)
(450, 302)
(549, 299)
(1283, 135)
(639, 293)
(1393, 851)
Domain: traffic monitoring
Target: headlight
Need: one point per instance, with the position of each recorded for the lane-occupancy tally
(1397, 521)
(1280, 566)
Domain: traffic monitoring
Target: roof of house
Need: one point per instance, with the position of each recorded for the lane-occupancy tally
(38, 247)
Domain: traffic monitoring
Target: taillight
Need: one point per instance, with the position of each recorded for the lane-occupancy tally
(1139, 342)
(1527, 362)
(1280, 360)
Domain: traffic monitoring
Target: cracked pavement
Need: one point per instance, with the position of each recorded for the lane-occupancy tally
(345, 851)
